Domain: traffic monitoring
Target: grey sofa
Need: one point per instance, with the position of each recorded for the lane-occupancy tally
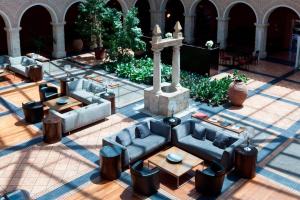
(135, 147)
(21, 65)
(4, 62)
(206, 141)
(84, 90)
(97, 110)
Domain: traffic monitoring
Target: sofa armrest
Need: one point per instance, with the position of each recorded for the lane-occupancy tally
(228, 154)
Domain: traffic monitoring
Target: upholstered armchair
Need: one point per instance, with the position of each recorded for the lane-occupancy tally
(210, 181)
(16, 195)
(33, 112)
(47, 92)
(144, 180)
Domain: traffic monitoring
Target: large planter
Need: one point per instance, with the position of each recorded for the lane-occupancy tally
(100, 53)
(77, 44)
(237, 92)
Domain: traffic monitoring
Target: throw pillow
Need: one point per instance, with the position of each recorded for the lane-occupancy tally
(85, 84)
(199, 132)
(142, 130)
(159, 128)
(222, 141)
(210, 134)
(124, 138)
(200, 115)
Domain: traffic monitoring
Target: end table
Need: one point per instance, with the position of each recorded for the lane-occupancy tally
(172, 121)
(110, 162)
(245, 161)
(110, 96)
(36, 73)
(52, 129)
(63, 85)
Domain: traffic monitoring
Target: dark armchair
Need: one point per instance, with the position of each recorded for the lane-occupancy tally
(16, 195)
(33, 112)
(47, 92)
(144, 180)
(210, 181)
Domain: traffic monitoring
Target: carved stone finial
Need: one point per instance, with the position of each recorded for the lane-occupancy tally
(177, 27)
(177, 33)
(156, 30)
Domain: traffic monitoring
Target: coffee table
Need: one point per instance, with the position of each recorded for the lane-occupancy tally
(5, 72)
(188, 163)
(54, 106)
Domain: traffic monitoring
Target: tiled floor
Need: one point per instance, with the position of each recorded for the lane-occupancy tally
(69, 169)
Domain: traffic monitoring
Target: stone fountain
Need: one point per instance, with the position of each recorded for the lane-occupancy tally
(166, 98)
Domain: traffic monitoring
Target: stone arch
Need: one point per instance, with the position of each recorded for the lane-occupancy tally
(5, 19)
(123, 5)
(164, 3)
(151, 3)
(51, 11)
(270, 10)
(228, 8)
(68, 7)
(193, 7)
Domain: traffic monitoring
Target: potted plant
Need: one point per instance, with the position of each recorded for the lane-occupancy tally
(91, 20)
(237, 91)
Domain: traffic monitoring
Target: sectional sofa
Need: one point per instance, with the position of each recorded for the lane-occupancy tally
(140, 140)
(21, 65)
(206, 141)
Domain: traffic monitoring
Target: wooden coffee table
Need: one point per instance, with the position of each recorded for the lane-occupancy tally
(188, 163)
(54, 106)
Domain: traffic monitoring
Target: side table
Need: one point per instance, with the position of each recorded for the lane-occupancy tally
(245, 161)
(36, 73)
(110, 96)
(63, 85)
(110, 162)
(52, 130)
(172, 121)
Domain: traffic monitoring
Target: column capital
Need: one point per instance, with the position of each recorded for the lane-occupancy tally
(223, 19)
(58, 23)
(157, 11)
(13, 29)
(261, 25)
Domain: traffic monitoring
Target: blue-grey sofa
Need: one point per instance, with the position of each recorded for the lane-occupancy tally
(206, 141)
(134, 145)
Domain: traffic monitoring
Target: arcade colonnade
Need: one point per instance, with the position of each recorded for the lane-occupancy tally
(13, 10)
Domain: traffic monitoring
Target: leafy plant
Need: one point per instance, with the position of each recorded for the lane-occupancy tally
(239, 77)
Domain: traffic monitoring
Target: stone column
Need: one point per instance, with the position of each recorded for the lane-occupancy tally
(261, 32)
(157, 17)
(58, 40)
(157, 71)
(297, 63)
(189, 25)
(222, 32)
(176, 67)
(13, 41)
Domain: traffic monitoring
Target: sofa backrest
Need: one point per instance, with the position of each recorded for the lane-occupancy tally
(25, 61)
(15, 60)
(95, 88)
(4, 60)
(75, 85)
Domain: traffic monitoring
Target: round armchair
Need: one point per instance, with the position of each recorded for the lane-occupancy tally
(33, 111)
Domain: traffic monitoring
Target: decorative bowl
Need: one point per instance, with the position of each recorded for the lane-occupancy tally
(62, 101)
(174, 158)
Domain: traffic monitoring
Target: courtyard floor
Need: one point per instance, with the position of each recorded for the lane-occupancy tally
(70, 169)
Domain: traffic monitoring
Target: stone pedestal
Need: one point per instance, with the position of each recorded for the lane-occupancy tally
(168, 100)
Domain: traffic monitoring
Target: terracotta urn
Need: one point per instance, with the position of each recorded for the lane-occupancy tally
(237, 92)
(77, 44)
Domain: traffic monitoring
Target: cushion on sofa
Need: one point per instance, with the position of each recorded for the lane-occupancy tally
(158, 127)
(149, 143)
(124, 138)
(142, 130)
(210, 134)
(85, 84)
(199, 132)
(222, 141)
(95, 88)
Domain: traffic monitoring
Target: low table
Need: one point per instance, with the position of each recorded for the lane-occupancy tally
(245, 161)
(63, 85)
(188, 163)
(52, 130)
(36, 73)
(54, 106)
(172, 121)
(110, 162)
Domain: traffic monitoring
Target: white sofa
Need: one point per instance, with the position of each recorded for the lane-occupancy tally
(21, 65)
(98, 109)
(84, 90)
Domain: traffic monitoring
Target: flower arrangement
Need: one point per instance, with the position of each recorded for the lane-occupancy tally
(209, 44)
(168, 35)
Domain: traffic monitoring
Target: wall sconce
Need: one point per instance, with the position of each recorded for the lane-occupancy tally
(168, 15)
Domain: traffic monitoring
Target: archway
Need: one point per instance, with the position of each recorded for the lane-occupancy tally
(281, 46)
(3, 38)
(241, 28)
(174, 12)
(115, 4)
(205, 22)
(36, 33)
(71, 31)
(144, 15)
